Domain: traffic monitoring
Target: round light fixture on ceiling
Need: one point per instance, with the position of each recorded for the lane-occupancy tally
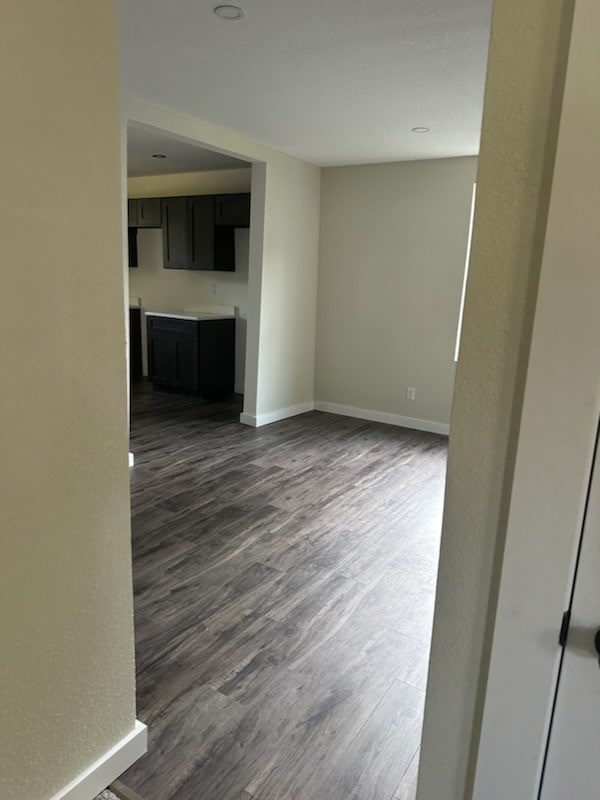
(229, 12)
(420, 129)
(158, 155)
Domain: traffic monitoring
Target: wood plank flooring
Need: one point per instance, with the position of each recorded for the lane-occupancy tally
(284, 583)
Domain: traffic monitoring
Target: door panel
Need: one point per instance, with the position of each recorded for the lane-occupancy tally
(185, 362)
(573, 756)
(149, 214)
(132, 213)
(175, 239)
(232, 209)
(160, 359)
(201, 211)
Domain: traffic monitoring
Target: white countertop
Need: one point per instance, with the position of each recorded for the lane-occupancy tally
(196, 315)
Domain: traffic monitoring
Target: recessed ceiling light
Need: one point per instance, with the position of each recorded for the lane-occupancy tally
(420, 129)
(158, 155)
(229, 12)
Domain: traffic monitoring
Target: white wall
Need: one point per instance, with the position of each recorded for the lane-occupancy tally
(391, 262)
(171, 290)
(66, 625)
(283, 247)
(520, 122)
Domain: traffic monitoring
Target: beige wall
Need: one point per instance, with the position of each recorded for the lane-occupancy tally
(215, 181)
(522, 104)
(171, 290)
(391, 262)
(555, 450)
(280, 346)
(67, 668)
(286, 366)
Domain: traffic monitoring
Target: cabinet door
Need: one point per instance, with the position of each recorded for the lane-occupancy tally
(132, 247)
(132, 213)
(232, 209)
(160, 357)
(185, 361)
(217, 356)
(175, 233)
(149, 212)
(224, 248)
(201, 227)
(135, 343)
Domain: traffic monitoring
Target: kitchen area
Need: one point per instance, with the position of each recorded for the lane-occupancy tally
(188, 251)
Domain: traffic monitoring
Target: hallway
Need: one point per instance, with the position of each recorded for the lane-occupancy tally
(284, 585)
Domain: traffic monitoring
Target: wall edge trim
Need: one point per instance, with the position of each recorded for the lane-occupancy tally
(108, 767)
(383, 416)
(274, 416)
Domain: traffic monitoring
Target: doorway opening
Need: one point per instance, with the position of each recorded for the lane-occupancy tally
(188, 266)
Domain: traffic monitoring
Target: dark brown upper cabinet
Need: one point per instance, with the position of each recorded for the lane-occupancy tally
(188, 232)
(198, 232)
(144, 212)
(175, 233)
(201, 232)
(132, 213)
(232, 209)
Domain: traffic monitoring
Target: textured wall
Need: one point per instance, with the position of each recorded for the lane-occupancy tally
(391, 261)
(286, 366)
(548, 497)
(172, 289)
(66, 628)
(520, 122)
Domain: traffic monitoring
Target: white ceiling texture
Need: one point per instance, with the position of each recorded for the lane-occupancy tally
(332, 82)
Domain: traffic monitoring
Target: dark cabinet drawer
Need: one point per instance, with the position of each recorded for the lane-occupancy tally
(173, 324)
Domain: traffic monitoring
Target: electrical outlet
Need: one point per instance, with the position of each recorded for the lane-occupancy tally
(213, 288)
(410, 392)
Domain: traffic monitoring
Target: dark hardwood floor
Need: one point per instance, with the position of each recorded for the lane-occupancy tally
(284, 583)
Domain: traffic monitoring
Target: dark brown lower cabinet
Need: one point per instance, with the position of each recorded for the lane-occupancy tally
(132, 246)
(135, 343)
(192, 355)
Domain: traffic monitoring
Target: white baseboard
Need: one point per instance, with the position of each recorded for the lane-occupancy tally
(108, 767)
(384, 416)
(131, 459)
(275, 416)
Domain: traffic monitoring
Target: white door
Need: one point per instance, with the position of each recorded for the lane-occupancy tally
(573, 757)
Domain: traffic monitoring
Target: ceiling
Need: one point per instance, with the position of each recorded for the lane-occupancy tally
(332, 82)
(180, 156)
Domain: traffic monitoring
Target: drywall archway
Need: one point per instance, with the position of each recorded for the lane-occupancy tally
(283, 257)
